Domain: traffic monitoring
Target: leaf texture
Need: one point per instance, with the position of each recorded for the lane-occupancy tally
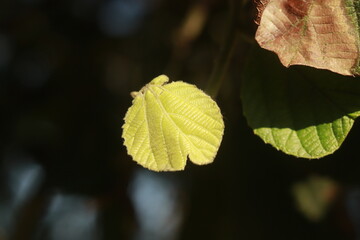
(319, 33)
(169, 122)
(307, 114)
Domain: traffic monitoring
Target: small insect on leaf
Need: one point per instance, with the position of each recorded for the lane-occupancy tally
(169, 122)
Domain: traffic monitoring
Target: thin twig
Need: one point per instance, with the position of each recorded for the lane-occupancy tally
(219, 73)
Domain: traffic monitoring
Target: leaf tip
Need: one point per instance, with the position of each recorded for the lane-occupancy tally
(160, 80)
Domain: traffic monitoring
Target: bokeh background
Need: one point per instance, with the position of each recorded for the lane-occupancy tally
(66, 72)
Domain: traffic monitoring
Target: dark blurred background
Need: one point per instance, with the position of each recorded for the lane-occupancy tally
(67, 68)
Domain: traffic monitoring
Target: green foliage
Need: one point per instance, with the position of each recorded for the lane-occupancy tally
(302, 113)
(169, 122)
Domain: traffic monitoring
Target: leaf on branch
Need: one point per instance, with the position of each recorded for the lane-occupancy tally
(169, 122)
(319, 33)
(307, 114)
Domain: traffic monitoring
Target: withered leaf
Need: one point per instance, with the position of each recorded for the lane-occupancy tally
(319, 33)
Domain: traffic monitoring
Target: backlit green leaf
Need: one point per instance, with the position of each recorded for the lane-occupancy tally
(169, 122)
(301, 111)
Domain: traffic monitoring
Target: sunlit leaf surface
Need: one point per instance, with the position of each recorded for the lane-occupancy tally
(303, 113)
(169, 122)
(317, 33)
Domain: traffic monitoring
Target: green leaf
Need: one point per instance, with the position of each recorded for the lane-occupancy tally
(168, 122)
(301, 111)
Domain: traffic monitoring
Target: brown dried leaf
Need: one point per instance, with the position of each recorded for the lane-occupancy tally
(318, 33)
(260, 6)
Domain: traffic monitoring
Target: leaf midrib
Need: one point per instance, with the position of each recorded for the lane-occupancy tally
(168, 116)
